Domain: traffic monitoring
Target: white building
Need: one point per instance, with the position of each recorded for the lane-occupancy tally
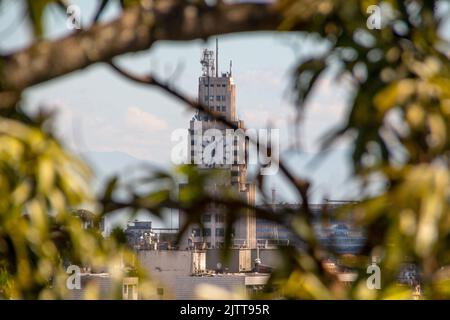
(220, 286)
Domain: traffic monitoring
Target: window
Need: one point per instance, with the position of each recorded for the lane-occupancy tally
(218, 108)
(218, 98)
(196, 232)
(223, 108)
(207, 232)
(219, 232)
(130, 292)
(211, 85)
(206, 98)
(220, 217)
(206, 218)
(224, 85)
(223, 98)
(211, 108)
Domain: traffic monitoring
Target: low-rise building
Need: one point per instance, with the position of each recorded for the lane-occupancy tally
(103, 286)
(229, 284)
(140, 235)
(164, 266)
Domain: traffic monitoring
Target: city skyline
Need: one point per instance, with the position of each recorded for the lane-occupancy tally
(237, 149)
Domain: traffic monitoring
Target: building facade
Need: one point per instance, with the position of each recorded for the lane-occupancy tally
(140, 235)
(212, 145)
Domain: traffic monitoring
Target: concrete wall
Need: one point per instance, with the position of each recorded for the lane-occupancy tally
(269, 257)
(100, 286)
(164, 266)
(187, 287)
(232, 264)
(190, 288)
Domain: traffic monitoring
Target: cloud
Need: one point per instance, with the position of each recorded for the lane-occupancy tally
(261, 77)
(264, 117)
(134, 131)
(138, 119)
(325, 110)
(329, 101)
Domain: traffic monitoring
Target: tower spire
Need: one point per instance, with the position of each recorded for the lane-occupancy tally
(217, 57)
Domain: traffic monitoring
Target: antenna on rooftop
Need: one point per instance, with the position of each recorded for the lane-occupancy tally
(231, 64)
(207, 62)
(217, 57)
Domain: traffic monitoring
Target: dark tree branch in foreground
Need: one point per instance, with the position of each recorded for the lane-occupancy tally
(136, 29)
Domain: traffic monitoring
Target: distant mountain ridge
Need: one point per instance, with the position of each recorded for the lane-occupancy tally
(105, 164)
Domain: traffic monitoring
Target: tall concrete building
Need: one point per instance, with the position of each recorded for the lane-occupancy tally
(214, 146)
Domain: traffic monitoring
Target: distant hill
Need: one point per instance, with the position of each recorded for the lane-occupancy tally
(105, 164)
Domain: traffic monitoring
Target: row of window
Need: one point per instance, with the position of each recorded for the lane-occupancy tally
(220, 232)
(218, 98)
(235, 154)
(235, 141)
(211, 85)
(236, 157)
(218, 217)
(218, 108)
(206, 118)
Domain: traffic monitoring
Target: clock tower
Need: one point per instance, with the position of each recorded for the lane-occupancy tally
(214, 146)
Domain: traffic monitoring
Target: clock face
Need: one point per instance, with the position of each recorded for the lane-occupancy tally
(209, 152)
(214, 152)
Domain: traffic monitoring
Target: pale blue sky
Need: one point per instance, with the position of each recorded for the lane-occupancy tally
(98, 111)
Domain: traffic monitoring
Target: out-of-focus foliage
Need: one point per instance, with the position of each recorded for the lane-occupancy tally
(399, 120)
(40, 184)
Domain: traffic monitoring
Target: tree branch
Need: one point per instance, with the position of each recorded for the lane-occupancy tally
(136, 29)
(99, 11)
